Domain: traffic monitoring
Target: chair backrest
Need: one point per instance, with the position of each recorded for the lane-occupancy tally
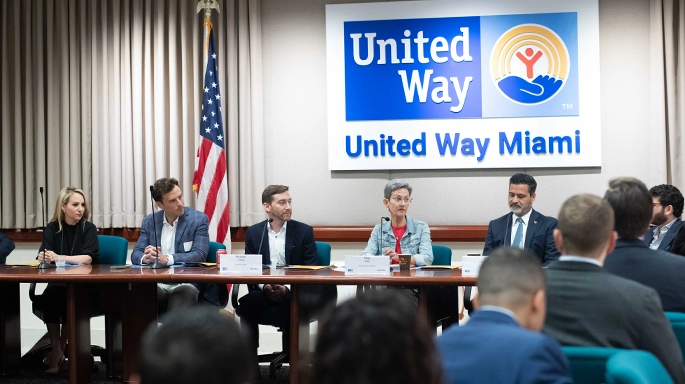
(442, 255)
(213, 247)
(113, 249)
(677, 320)
(636, 367)
(588, 364)
(324, 251)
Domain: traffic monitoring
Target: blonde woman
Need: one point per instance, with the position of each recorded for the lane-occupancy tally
(70, 234)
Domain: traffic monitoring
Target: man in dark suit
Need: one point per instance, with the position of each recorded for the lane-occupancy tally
(6, 247)
(501, 342)
(632, 258)
(668, 206)
(523, 227)
(181, 236)
(588, 306)
(281, 241)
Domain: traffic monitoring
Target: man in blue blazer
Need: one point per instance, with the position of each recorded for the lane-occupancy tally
(667, 204)
(181, 237)
(280, 241)
(632, 258)
(523, 227)
(501, 342)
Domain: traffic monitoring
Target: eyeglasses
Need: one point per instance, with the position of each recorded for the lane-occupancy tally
(398, 200)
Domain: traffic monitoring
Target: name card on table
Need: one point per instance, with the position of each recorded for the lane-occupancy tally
(248, 264)
(470, 265)
(367, 265)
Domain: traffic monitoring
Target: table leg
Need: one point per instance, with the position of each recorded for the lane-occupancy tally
(78, 323)
(139, 310)
(294, 334)
(423, 302)
(10, 329)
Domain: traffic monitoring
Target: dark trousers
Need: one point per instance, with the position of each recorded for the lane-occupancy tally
(256, 308)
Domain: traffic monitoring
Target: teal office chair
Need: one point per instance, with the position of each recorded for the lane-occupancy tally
(588, 364)
(213, 247)
(442, 255)
(313, 300)
(113, 249)
(636, 367)
(214, 293)
(677, 320)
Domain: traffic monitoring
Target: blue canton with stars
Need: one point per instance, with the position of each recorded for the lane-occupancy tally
(211, 123)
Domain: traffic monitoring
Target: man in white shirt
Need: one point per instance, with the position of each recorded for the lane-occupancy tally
(281, 241)
(668, 207)
(181, 237)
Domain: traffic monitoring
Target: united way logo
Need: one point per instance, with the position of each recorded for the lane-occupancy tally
(529, 64)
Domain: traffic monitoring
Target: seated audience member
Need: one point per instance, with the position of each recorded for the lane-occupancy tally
(588, 306)
(199, 345)
(376, 337)
(523, 227)
(181, 236)
(667, 208)
(632, 258)
(6, 247)
(501, 343)
(281, 241)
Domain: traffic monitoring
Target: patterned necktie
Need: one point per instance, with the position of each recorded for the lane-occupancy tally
(519, 234)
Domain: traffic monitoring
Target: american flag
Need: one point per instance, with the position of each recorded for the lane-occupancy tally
(209, 181)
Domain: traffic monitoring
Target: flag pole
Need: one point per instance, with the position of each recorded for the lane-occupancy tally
(207, 6)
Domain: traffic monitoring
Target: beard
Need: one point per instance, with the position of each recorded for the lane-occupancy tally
(659, 218)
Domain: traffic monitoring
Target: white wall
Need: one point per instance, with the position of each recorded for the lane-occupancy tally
(296, 134)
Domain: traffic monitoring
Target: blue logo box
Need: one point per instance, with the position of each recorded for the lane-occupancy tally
(462, 67)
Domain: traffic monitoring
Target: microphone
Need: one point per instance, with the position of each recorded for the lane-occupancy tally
(156, 264)
(43, 264)
(261, 240)
(380, 235)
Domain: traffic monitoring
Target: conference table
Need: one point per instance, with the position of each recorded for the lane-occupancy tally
(131, 295)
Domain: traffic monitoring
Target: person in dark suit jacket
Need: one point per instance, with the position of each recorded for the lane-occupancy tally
(588, 306)
(667, 208)
(6, 247)
(632, 258)
(536, 229)
(501, 342)
(182, 236)
(297, 248)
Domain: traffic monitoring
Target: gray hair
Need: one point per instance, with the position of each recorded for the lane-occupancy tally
(394, 185)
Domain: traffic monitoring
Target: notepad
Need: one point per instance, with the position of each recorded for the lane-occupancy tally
(310, 267)
(441, 267)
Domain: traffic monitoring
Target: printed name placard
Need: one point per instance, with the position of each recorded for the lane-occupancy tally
(470, 265)
(248, 264)
(367, 265)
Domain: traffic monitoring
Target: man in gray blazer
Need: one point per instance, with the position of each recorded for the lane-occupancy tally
(174, 234)
(588, 306)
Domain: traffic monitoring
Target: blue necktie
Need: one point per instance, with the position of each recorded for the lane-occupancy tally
(519, 234)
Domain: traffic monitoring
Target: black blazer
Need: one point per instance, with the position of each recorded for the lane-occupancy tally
(300, 247)
(660, 270)
(667, 241)
(539, 236)
(588, 306)
(6, 247)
